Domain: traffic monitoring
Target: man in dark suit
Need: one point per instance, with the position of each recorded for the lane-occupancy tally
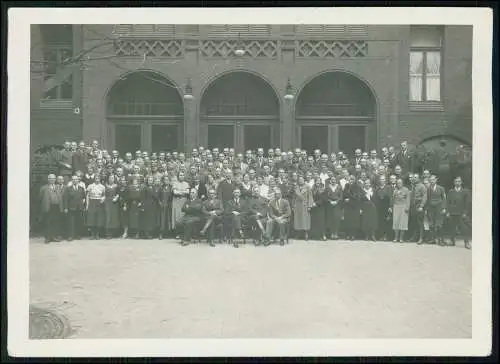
(257, 211)
(279, 214)
(357, 157)
(212, 210)
(404, 159)
(436, 210)
(80, 158)
(226, 188)
(74, 204)
(458, 201)
(199, 186)
(65, 164)
(235, 210)
(51, 208)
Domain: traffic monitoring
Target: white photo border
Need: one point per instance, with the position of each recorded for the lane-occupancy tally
(18, 136)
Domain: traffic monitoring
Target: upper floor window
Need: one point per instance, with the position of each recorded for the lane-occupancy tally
(425, 63)
(57, 49)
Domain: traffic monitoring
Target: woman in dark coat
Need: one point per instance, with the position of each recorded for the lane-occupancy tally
(369, 218)
(318, 211)
(166, 207)
(302, 204)
(334, 196)
(112, 207)
(123, 193)
(352, 199)
(382, 200)
(134, 207)
(151, 195)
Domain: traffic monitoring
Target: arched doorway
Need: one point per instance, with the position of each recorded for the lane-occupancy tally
(145, 111)
(240, 110)
(336, 111)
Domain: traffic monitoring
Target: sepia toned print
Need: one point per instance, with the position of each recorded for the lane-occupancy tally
(336, 158)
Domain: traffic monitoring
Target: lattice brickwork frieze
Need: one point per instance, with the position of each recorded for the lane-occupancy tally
(331, 48)
(226, 48)
(150, 47)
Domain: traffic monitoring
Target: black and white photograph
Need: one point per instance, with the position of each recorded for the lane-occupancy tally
(229, 176)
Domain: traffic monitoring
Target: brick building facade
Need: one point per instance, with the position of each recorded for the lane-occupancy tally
(352, 86)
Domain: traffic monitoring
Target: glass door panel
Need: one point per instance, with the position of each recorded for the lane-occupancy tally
(127, 138)
(220, 136)
(257, 136)
(351, 138)
(164, 138)
(314, 137)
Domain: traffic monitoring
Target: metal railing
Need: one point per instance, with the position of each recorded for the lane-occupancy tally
(146, 108)
(239, 109)
(335, 110)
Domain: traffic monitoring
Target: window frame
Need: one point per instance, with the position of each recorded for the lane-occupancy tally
(59, 48)
(425, 50)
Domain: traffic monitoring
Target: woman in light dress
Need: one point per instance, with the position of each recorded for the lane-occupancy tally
(400, 208)
(302, 204)
(180, 191)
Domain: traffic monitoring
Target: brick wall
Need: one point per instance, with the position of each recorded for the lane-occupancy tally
(456, 118)
(53, 127)
(385, 69)
(52, 124)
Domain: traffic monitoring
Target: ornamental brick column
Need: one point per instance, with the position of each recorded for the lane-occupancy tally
(190, 126)
(190, 105)
(287, 113)
(287, 123)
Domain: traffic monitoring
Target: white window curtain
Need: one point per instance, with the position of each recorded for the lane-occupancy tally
(433, 76)
(416, 75)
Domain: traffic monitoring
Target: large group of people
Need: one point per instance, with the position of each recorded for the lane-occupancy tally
(219, 195)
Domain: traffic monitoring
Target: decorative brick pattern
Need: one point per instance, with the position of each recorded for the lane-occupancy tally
(150, 47)
(226, 48)
(331, 48)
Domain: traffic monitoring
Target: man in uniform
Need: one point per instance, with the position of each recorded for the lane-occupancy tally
(458, 201)
(436, 209)
(257, 212)
(417, 208)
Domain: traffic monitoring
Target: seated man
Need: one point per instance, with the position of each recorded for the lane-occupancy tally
(279, 213)
(212, 210)
(234, 211)
(193, 215)
(257, 208)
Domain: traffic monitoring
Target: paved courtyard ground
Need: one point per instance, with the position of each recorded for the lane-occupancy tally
(158, 289)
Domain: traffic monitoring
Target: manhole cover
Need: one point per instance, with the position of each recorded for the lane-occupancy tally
(45, 324)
